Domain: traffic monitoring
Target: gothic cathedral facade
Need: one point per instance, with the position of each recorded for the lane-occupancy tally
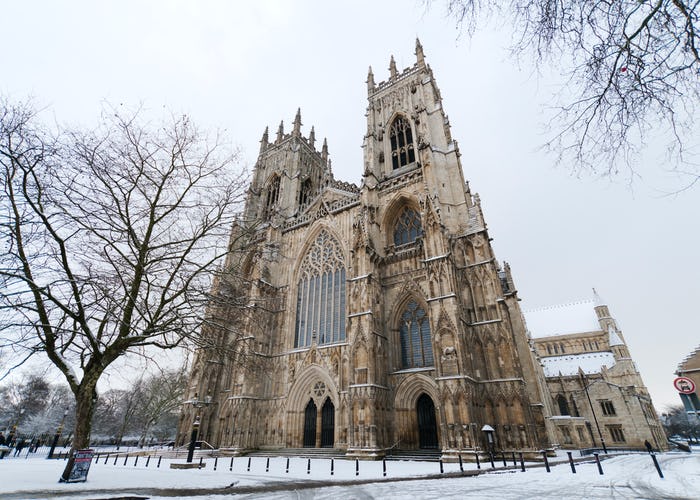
(379, 317)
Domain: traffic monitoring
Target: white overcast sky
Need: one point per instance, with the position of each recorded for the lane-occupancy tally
(241, 66)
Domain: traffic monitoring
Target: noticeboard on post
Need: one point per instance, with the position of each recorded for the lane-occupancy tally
(81, 466)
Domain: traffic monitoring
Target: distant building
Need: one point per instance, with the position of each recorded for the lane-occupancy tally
(596, 392)
(690, 368)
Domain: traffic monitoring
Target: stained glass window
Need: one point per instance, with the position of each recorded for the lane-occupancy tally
(321, 294)
(402, 150)
(416, 346)
(408, 227)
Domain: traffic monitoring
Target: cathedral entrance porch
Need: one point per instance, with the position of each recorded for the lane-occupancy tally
(427, 425)
(311, 416)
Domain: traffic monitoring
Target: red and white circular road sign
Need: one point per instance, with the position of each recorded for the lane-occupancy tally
(684, 385)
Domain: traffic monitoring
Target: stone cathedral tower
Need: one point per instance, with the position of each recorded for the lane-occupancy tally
(381, 318)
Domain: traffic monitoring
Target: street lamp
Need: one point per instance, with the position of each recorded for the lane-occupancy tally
(57, 435)
(196, 403)
(490, 441)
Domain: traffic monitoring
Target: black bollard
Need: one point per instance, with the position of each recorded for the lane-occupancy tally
(571, 463)
(159, 459)
(148, 459)
(106, 457)
(384, 467)
(267, 465)
(115, 459)
(546, 462)
(216, 461)
(308, 466)
(249, 459)
(200, 462)
(357, 467)
(461, 466)
(126, 457)
(287, 471)
(136, 461)
(331, 466)
(493, 465)
(597, 461)
(441, 469)
(522, 462)
(656, 464)
(230, 465)
(503, 457)
(514, 461)
(478, 465)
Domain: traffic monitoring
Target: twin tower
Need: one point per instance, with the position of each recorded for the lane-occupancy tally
(374, 317)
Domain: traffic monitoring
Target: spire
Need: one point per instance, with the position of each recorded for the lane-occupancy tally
(420, 57)
(370, 80)
(280, 131)
(324, 151)
(392, 67)
(312, 137)
(297, 123)
(597, 300)
(265, 140)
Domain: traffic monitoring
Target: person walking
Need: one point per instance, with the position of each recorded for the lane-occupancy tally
(19, 446)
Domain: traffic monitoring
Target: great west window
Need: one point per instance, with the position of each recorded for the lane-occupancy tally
(321, 294)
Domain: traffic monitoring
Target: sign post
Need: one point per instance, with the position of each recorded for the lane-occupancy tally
(81, 466)
(686, 389)
(684, 385)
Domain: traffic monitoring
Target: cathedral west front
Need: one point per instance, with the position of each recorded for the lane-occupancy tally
(377, 317)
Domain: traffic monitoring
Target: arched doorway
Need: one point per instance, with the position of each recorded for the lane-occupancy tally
(327, 424)
(310, 425)
(427, 424)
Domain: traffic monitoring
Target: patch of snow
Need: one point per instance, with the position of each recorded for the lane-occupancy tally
(576, 317)
(591, 362)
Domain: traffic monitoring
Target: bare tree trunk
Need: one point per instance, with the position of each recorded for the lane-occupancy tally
(85, 398)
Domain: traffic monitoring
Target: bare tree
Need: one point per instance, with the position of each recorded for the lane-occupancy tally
(161, 397)
(109, 239)
(632, 68)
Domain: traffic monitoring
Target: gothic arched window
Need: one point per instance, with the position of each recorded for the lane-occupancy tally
(272, 195)
(563, 405)
(416, 346)
(305, 192)
(408, 227)
(402, 150)
(321, 294)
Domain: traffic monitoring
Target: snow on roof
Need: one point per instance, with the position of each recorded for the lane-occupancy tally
(576, 317)
(569, 364)
(614, 337)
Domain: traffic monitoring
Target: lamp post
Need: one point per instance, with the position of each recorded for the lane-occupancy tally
(590, 404)
(490, 441)
(57, 435)
(197, 404)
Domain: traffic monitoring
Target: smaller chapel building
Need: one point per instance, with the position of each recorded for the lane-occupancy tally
(597, 396)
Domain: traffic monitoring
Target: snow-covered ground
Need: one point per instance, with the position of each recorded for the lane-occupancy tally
(625, 476)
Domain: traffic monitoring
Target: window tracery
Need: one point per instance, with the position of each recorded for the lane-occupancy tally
(272, 195)
(408, 227)
(321, 294)
(402, 149)
(416, 346)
